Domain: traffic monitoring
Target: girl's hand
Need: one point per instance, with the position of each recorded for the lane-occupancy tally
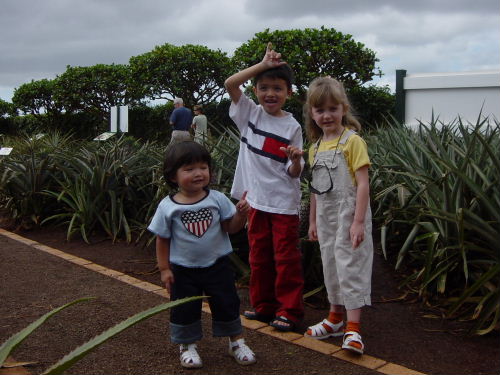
(312, 232)
(272, 59)
(167, 278)
(242, 207)
(357, 232)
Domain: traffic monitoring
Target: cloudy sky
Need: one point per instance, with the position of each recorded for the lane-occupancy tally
(39, 38)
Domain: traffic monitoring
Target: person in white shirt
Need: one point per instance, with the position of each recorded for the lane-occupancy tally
(269, 166)
(199, 125)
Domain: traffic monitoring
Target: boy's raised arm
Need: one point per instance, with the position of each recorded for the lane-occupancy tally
(271, 59)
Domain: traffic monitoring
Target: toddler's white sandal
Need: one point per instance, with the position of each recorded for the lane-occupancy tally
(353, 336)
(241, 352)
(324, 330)
(189, 356)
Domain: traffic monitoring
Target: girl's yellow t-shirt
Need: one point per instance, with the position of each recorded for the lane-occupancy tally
(355, 152)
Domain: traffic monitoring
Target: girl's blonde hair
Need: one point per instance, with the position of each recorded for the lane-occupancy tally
(320, 91)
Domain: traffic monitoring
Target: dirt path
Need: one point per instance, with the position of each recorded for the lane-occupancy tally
(34, 282)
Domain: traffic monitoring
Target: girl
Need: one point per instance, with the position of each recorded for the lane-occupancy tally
(192, 248)
(340, 216)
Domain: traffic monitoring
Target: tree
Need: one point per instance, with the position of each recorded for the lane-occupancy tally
(373, 105)
(36, 98)
(192, 72)
(95, 89)
(313, 52)
(6, 109)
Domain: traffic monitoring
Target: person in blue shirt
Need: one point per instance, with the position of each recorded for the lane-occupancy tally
(180, 120)
(192, 251)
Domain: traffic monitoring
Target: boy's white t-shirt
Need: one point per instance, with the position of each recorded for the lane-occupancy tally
(262, 168)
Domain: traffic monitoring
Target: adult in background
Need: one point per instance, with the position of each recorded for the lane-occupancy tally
(180, 119)
(199, 125)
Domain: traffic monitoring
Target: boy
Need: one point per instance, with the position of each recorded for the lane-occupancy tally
(269, 166)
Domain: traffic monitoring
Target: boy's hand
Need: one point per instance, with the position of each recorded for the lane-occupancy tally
(293, 153)
(242, 207)
(272, 59)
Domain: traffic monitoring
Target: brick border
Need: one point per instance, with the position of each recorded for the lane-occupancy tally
(294, 338)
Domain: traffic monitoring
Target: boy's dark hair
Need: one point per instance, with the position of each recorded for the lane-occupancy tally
(283, 72)
(182, 153)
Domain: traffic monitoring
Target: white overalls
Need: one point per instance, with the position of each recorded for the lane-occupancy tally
(347, 272)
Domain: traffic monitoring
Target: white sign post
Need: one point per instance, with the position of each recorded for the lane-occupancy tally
(123, 118)
(118, 122)
(113, 119)
(4, 151)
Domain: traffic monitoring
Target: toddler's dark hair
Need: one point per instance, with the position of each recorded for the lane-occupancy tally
(182, 153)
(283, 72)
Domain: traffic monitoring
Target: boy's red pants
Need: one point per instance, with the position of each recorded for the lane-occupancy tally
(276, 280)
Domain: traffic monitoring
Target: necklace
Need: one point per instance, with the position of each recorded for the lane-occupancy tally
(316, 146)
(312, 189)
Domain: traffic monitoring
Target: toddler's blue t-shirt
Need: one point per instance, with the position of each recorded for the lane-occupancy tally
(195, 231)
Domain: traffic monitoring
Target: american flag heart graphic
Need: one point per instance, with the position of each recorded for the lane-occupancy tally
(197, 222)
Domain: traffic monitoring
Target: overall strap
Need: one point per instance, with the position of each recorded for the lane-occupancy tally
(316, 146)
(346, 136)
(346, 133)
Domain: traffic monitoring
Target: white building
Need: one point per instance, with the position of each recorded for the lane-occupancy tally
(448, 96)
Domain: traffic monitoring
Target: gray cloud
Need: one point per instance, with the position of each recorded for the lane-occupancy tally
(321, 8)
(39, 39)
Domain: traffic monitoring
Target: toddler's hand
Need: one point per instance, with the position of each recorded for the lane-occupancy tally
(272, 59)
(167, 278)
(242, 206)
(293, 153)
